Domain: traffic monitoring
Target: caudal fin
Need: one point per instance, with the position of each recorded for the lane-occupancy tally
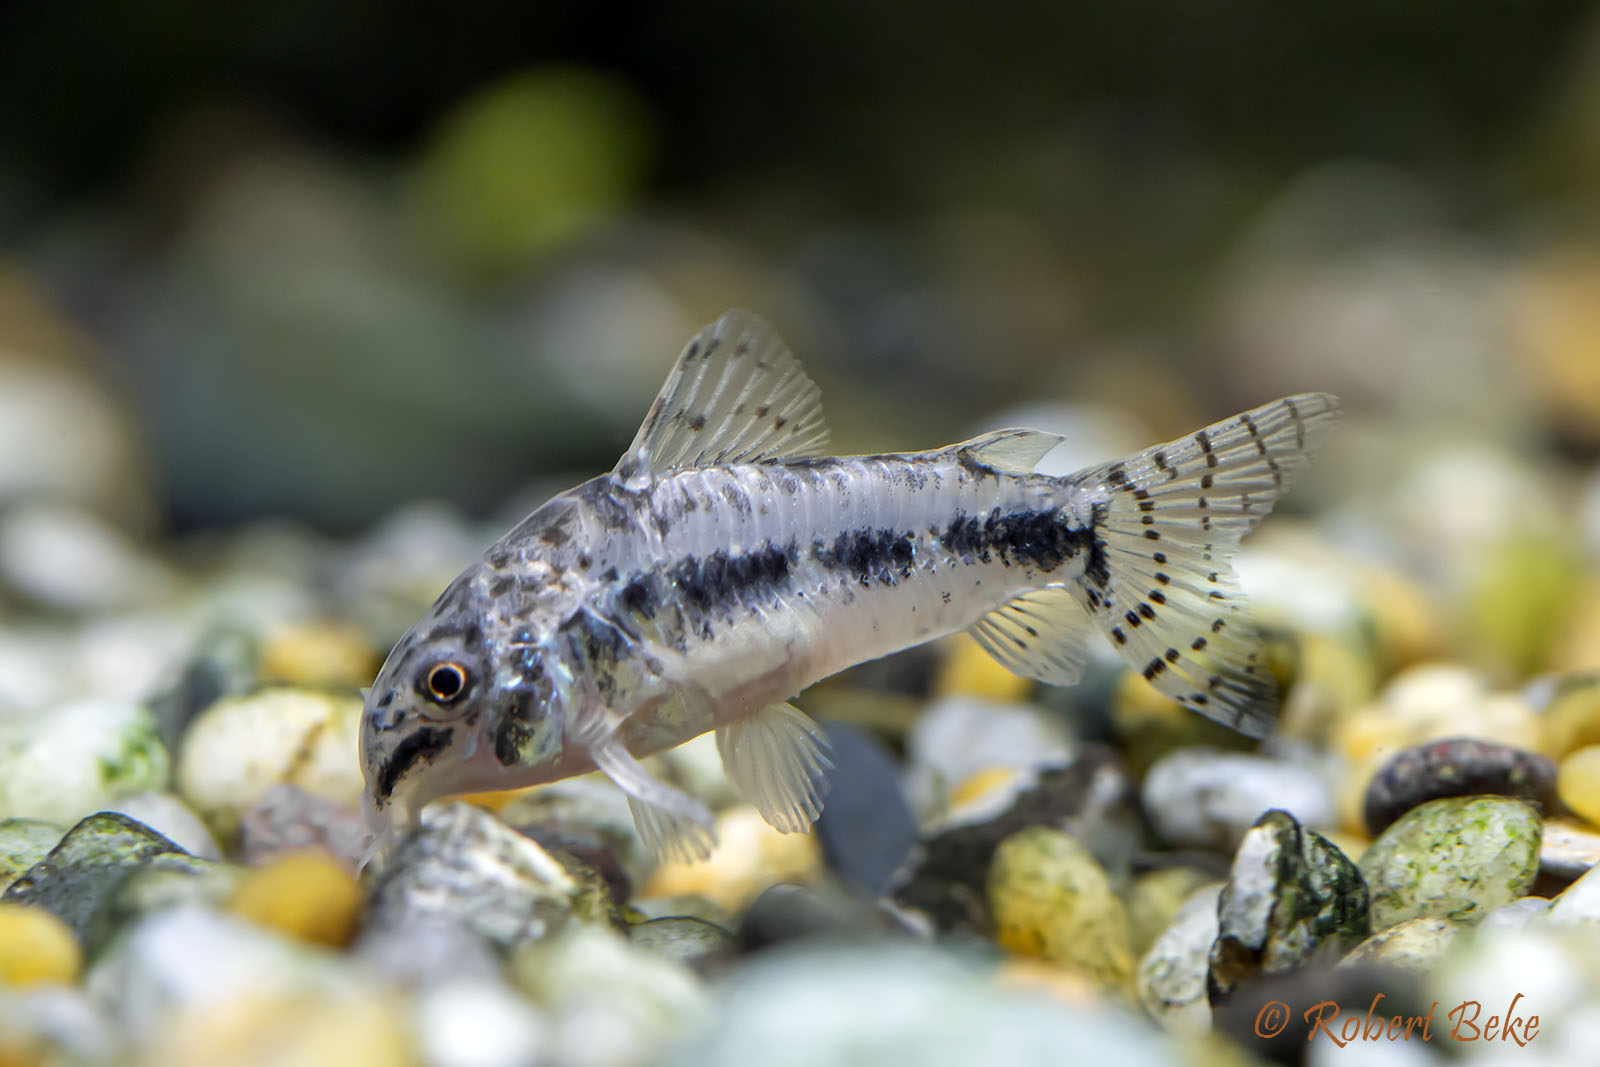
(1160, 581)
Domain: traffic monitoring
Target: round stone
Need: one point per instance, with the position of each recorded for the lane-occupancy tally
(1454, 767)
(36, 947)
(1172, 975)
(1579, 782)
(1210, 799)
(309, 896)
(61, 764)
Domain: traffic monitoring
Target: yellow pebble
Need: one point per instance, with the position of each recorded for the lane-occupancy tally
(750, 856)
(1578, 782)
(318, 653)
(968, 670)
(976, 787)
(306, 895)
(36, 948)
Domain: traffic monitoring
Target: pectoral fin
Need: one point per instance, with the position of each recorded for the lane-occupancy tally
(777, 760)
(672, 824)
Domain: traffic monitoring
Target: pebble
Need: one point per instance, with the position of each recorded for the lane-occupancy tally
(463, 863)
(56, 1026)
(171, 818)
(612, 1003)
(786, 913)
(65, 558)
(1456, 858)
(222, 662)
(168, 880)
(1579, 782)
(288, 820)
(587, 816)
(1154, 900)
(1204, 798)
(1515, 915)
(957, 737)
(77, 879)
(24, 842)
(968, 671)
(1416, 945)
(242, 746)
(319, 652)
(363, 1029)
(1291, 897)
(308, 896)
(683, 939)
(1579, 902)
(1570, 720)
(426, 953)
(479, 1022)
(749, 857)
(36, 947)
(1566, 851)
(1149, 725)
(60, 764)
(1050, 899)
(1455, 767)
(1171, 979)
(903, 1004)
(866, 829)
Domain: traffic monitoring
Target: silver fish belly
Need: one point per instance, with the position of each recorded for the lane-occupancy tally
(724, 566)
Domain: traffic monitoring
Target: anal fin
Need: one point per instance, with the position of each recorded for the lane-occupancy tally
(1039, 635)
(777, 760)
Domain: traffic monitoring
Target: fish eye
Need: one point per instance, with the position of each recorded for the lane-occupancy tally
(445, 683)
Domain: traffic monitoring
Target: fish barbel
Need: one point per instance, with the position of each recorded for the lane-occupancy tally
(726, 563)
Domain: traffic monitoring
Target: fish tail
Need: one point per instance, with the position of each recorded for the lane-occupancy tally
(1159, 578)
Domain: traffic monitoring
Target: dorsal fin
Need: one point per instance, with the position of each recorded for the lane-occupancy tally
(1016, 451)
(736, 395)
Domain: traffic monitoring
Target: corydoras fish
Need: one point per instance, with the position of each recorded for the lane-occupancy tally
(726, 563)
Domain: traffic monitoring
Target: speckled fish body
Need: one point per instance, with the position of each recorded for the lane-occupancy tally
(722, 567)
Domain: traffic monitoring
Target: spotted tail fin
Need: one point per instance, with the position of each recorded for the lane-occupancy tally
(1160, 580)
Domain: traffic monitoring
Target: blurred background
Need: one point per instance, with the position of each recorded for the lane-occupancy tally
(290, 269)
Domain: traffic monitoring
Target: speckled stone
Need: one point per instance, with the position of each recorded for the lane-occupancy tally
(287, 819)
(78, 877)
(1416, 945)
(1292, 898)
(61, 764)
(465, 863)
(683, 938)
(1457, 858)
(1172, 975)
(1049, 898)
(24, 842)
(1455, 767)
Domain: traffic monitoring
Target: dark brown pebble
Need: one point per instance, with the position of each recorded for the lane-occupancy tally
(1456, 767)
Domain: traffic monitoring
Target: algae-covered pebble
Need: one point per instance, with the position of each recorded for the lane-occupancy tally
(682, 938)
(61, 764)
(1292, 898)
(1415, 945)
(24, 842)
(240, 747)
(1051, 899)
(308, 896)
(36, 947)
(172, 819)
(1456, 858)
(1579, 782)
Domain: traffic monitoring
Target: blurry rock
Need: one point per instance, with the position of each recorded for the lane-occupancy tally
(431, 950)
(1455, 767)
(866, 828)
(960, 736)
(224, 662)
(1579, 782)
(66, 559)
(1515, 915)
(1567, 852)
(683, 939)
(1090, 798)
(612, 1003)
(1246, 1021)
(307, 896)
(24, 842)
(1457, 858)
(464, 864)
(391, 576)
(36, 948)
(1049, 898)
(1209, 799)
(787, 913)
(1579, 902)
(479, 1023)
(172, 819)
(356, 1029)
(169, 880)
(288, 819)
(318, 652)
(587, 817)
(79, 876)
(1543, 970)
(56, 1025)
(1558, 330)
(966, 670)
(940, 1014)
(1416, 945)
(1520, 598)
(61, 764)
(1171, 979)
(1291, 899)
(749, 857)
(1154, 899)
(1569, 718)
(1149, 725)
(192, 958)
(240, 747)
